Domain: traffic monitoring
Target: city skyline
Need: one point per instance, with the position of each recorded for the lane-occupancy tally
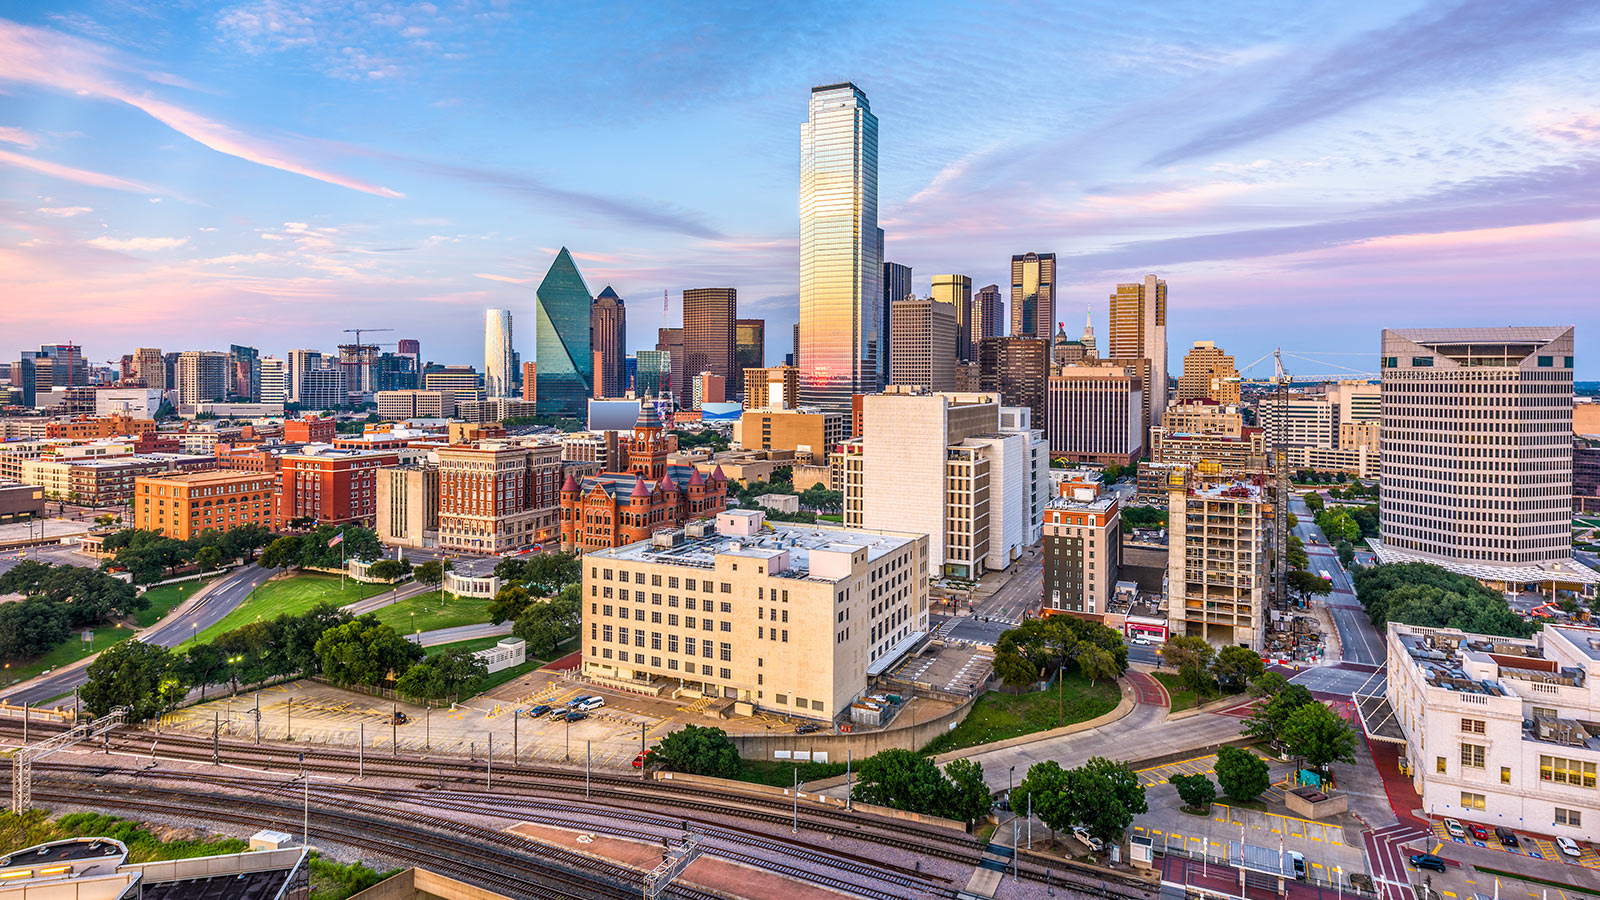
(241, 176)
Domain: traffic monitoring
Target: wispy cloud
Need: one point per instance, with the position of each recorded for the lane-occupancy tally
(1443, 43)
(138, 243)
(65, 212)
(17, 136)
(50, 59)
(81, 176)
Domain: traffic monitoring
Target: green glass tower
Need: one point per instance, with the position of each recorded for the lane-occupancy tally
(561, 334)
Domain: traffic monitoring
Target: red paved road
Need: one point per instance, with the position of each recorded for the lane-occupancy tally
(1149, 690)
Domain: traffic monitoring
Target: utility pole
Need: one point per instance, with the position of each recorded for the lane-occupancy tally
(488, 761)
(361, 754)
(216, 753)
(847, 760)
(588, 760)
(514, 743)
(288, 727)
(794, 827)
(641, 753)
(394, 730)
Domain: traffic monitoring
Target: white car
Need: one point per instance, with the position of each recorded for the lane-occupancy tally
(1569, 847)
(1083, 835)
(1454, 829)
(592, 703)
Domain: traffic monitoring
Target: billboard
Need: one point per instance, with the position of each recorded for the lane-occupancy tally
(720, 412)
(613, 415)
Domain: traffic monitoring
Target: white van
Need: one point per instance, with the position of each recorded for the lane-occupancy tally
(590, 704)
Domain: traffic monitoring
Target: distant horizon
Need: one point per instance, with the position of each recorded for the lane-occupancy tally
(268, 173)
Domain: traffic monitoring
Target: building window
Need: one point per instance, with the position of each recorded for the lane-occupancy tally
(1505, 774)
(1546, 362)
(727, 653)
(1438, 765)
(1472, 755)
(1567, 771)
(1569, 817)
(1472, 801)
(1473, 726)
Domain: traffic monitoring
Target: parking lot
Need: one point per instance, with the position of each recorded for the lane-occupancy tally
(1528, 845)
(957, 668)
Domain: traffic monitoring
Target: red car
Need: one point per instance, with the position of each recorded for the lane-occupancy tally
(1479, 832)
(640, 759)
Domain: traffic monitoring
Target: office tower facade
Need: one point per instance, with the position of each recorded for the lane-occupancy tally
(1033, 294)
(409, 347)
(274, 380)
(1093, 413)
(1139, 332)
(150, 367)
(67, 368)
(530, 382)
(244, 365)
(794, 354)
(1016, 368)
(1091, 350)
(670, 342)
(608, 324)
(959, 468)
(1208, 374)
(896, 286)
(1065, 351)
(654, 374)
(1477, 453)
(841, 246)
(322, 389)
(777, 387)
(300, 362)
(565, 357)
(1218, 548)
(812, 434)
(925, 344)
(202, 376)
(749, 349)
(708, 330)
(988, 314)
(956, 290)
(1297, 421)
(497, 350)
(496, 496)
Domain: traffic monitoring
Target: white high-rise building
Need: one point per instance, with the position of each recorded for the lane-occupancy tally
(300, 362)
(274, 380)
(841, 249)
(498, 365)
(1476, 449)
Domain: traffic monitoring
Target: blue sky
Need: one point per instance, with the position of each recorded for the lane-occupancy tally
(270, 172)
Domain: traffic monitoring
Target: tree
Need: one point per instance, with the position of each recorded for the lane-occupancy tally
(969, 795)
(1105, 796)
(389, 569)
(140, 676)
(509, 603)
(1427, 595)
(1096, 664)
(1297, 557)
(1044, 789)
(1318, 735)
(1242, 774)
(430, 573)
(1314, 501)
(1305, 584)
(1014, 669)
(1235, 667)
(208, 558)
(546, 625)
(698, 750)
(1269, 719)
(248, 538)
(365, 652)
(903, 779)
(282, 553)
(1196, 791)
(1347, 554)
(31, 627)
(1268, 684)
(1191, 656)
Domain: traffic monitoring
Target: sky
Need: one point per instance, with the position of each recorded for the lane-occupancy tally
(189, 175)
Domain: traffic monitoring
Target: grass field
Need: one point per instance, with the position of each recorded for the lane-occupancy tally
(778, 773)
(291, 595)
(483, 643)
(1182, 697)
(163, 600)
(431, 614)
(997, 715)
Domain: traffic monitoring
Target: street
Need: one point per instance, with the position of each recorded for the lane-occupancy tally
(1361, 642)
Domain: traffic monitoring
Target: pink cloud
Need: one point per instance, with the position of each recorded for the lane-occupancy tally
(81, 176)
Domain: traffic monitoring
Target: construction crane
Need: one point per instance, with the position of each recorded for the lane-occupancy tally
(1280, 463)
(357, 332)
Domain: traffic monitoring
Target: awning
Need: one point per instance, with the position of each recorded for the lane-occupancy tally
(893, 654)
(1377, 719)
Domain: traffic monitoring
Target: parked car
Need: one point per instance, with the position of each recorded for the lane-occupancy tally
(575, 702)
(1506, 836)
(1478, 831)
(592, 703)
(1428, 861)
(538, 711)
(807, 728)
(1454, 829)
(1083, 835)
(1298, 860)
(559, 715)
(639, 760)
(1569, 847)
(577, 715)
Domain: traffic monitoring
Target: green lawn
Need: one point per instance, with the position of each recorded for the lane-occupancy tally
(162, 601)
(432, 614)
(997, 715)
(483, 643)
(291, 595)
(777, 773)
(1182, 697)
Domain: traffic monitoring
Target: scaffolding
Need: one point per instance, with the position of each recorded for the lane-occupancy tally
(22, 761)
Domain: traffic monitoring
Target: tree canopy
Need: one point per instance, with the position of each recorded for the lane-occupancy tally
(1427, 595)
(143, 677)
(904, 779)
(1101, 795)
(1318, 735)
(697, 750)
(1242, 774)
(1023, 653)
(364, 652)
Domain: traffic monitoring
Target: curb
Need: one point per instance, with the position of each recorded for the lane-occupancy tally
(1123, 708)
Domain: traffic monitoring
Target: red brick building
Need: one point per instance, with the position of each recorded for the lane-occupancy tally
(616, 508)
(315, 430)
(328, 485)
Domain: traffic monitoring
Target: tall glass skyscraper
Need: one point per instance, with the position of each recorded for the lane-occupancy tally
(841, 249)
(498, 365)
(561, 335)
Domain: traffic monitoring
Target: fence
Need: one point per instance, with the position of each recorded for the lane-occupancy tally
(1346, 889)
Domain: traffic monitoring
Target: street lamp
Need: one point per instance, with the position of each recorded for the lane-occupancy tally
(234, 661)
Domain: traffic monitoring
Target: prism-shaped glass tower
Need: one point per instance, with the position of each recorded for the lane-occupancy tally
(561, 334)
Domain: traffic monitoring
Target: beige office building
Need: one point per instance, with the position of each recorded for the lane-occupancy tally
(1139, 332)
(1305, 421)
(810, 432)
(408, 506)
(1203, 417)
(1477, 453)
(399, 406)
(788, 620)
(1208, 374)
(773, 387)
(925, 343)
(1218, 578)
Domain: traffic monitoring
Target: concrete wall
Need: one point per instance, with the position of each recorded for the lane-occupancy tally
(860, 745)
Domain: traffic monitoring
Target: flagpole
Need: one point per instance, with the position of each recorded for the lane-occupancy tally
(342, 563)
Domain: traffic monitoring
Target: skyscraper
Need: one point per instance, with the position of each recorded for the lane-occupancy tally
(841, 265)
(1033, 294)
(274, 380)
(708, 329)
(497, 372)
(608, 323)
(202, 376)
(1477, 453)
(1016, 367)
(924, 353)
(245, 365)
(300, 362)
(896, 286)
(150, 367)
(561, 333)
(988, 314)
(670, 342)
(1089, 348)
(1208, 374)
(956, 290)
(1139, 332)
(749, 349)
